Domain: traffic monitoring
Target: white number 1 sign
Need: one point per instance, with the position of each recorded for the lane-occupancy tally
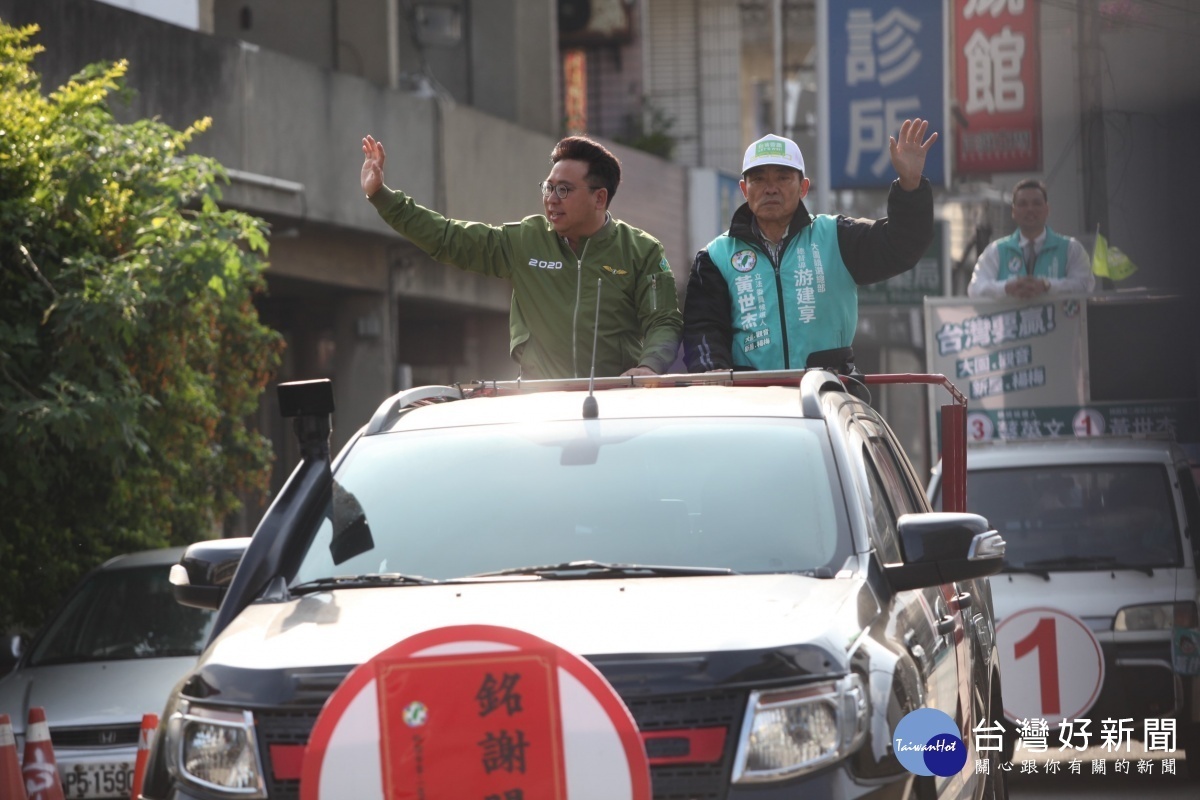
(1052, 665)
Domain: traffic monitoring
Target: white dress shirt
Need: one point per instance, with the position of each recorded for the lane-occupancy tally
(1079, 278)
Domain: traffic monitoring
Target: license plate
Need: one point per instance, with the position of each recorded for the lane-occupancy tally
(95, 781)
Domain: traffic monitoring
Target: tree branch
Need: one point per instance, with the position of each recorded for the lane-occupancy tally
(37, 273)
(4, 371)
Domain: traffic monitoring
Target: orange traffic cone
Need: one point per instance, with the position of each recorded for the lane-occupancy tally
(149, 727)
(40, 770)
(12, 785)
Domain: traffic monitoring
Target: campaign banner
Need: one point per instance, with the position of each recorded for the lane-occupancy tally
(1026, 371)
(1004, 354)
(997, 87)
(885, 64)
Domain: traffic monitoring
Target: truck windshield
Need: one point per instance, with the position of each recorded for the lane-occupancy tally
(752, 495)
(1080, 517)
(123, 614)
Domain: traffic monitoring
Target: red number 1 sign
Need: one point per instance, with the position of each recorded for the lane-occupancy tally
(1052, 665)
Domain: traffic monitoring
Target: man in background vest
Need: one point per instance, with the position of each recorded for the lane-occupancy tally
(1034, 260)
(781, 284)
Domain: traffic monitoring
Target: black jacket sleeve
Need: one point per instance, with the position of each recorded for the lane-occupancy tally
(875, 250)
(707, 318)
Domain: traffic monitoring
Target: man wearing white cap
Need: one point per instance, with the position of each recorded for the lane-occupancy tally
(781, 284)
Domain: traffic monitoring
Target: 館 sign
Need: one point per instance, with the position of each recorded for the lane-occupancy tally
(479, 712)
(997, 80)
(884, 62)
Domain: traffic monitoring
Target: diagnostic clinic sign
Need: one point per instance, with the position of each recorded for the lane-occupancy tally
(997, 80)
(882, 61)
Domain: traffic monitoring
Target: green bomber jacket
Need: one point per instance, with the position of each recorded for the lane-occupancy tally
(553, 310)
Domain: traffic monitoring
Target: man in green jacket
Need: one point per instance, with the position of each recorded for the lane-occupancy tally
(557, 262)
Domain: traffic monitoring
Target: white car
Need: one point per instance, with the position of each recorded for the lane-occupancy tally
(1103, 538)
(112, 653)
(747, 558)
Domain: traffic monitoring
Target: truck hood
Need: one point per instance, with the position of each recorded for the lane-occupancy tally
(589, 617)
(97, 693)
(1086, 594)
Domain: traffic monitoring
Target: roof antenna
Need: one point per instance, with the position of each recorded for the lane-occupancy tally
(591, 409)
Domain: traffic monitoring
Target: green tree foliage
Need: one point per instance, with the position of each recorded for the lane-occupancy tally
(131, 354)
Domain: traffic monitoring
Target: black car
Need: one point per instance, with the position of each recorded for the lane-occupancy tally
(745, 552)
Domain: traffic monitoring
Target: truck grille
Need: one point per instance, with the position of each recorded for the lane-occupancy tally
(98, 736)
(291, 726)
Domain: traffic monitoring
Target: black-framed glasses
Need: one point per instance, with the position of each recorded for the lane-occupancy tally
(561, 189)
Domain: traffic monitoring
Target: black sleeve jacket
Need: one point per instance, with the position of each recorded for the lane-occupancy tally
(872, 250)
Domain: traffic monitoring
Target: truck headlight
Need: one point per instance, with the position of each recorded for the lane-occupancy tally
(788, 733)
(1155, 617)
(215, 749)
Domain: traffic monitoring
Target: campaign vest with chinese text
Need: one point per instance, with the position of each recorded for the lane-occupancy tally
(818, 309)
(1050, 263)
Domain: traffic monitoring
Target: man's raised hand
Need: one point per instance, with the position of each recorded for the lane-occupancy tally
(908, 152)
(372, 168)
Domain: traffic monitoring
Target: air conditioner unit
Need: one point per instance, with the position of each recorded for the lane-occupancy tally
(595, 22)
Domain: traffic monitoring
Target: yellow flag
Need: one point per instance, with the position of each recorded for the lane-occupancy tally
(1100, 257)
(1110, 262)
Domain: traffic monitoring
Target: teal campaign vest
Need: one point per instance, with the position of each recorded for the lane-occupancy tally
(1051, 262)
(810, 305)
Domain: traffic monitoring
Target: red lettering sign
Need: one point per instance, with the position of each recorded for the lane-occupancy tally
(997, 87)
(478, 712)
(474, 725)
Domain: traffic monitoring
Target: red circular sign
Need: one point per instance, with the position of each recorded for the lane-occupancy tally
(1052, 664)
(475, 711)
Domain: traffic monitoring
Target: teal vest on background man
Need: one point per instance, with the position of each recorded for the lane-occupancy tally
(818, 309)
(1050, 263)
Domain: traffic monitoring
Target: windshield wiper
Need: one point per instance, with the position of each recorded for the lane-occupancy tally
(589, 568)
(1079, 563)
(1041, 573)
(359, 581)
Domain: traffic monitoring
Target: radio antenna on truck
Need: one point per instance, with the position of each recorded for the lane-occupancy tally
(591, 408)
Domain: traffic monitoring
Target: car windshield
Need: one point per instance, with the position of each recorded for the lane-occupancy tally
(753, 495)
(1080, 517)
(120, 614)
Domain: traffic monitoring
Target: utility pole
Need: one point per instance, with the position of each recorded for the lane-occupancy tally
(1094, 156)
(777, 70)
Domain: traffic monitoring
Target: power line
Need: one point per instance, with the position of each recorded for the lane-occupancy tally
(1139, 24)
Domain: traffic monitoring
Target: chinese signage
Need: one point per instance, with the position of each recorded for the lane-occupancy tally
(1007, 354)
(885, 66)
(928, 278)
(575, 90)
(997, 81)
(488, 721)
(1059, 748)
(1024, 369)
(475, 711)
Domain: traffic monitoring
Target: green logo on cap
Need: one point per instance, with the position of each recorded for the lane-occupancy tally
(770, 149)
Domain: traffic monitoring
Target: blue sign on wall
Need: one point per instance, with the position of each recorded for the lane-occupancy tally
(729, 199)
(886, 65)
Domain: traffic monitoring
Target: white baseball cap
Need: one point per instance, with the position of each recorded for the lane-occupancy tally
(772, 149)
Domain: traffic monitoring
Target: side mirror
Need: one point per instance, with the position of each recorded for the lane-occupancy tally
(11, 647)
(202, 576)
(943, 547)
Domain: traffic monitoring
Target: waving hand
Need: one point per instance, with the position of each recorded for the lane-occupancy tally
(908, 152)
